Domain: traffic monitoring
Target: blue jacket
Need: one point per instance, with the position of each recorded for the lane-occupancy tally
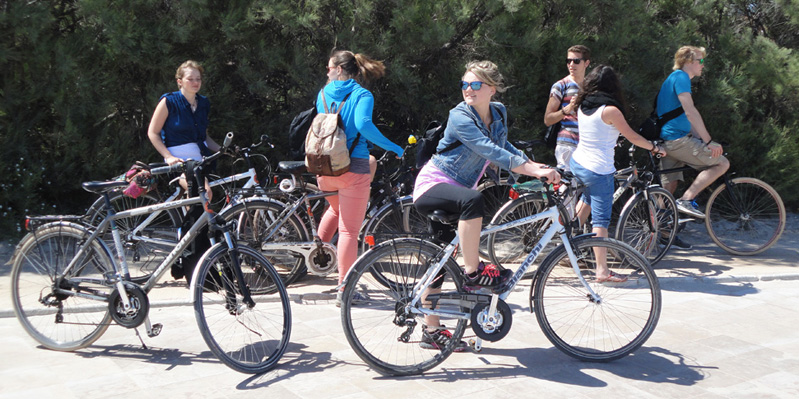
(465, 163)
(356, 115)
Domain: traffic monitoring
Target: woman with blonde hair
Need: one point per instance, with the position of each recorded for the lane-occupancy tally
(449, 180)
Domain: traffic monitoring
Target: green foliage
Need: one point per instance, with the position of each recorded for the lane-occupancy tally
(79, 79)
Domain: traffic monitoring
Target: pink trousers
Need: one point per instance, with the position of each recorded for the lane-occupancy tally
(346, 213)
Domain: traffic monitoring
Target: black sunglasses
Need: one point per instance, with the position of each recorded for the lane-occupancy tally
(574, 60)
(475, 85)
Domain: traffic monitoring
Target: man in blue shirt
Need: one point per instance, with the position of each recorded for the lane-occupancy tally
(687, 141)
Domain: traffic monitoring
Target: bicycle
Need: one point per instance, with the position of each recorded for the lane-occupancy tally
(144, 235)
(647, 220)
(590, 321)
(67, 288)
(744, 215)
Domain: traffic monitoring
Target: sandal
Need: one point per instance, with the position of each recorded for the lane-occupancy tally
(612, 278)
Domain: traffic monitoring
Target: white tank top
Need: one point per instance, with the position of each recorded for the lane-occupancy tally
(597, 141)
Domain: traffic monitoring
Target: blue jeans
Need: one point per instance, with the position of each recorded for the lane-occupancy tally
(598, 193)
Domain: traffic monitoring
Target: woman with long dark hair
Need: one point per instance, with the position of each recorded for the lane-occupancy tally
(601, 114)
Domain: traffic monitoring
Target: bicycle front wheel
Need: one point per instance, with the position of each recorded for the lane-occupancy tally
(380, 325)
(649, 224)
(745, 218)
(58, 320)
(511, 246)
(615, 325)
(254, 218)
(248, 340)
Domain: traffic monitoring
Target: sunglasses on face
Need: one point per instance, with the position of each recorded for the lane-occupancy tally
(701, 61)
(475, 85)
(576, 61)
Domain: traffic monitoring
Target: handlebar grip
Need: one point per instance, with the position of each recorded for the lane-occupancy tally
(176, 168)
(228, 140)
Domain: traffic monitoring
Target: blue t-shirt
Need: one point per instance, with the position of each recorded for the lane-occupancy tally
(677, 83)
(183, 126)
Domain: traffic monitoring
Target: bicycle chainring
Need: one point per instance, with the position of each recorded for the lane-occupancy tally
(494, 327)
(322, 260)
(139, 306)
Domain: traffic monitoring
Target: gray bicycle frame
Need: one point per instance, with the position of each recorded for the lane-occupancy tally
(120, 266)
(551, 214)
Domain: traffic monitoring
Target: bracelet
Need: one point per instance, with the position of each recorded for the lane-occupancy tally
(654, 146)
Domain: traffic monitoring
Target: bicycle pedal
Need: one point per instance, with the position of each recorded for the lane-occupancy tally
(154, 330)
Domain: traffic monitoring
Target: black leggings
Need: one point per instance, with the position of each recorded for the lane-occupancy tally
(452, 199)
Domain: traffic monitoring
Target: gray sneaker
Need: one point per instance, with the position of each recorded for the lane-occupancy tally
(357, 299)
(690, 207)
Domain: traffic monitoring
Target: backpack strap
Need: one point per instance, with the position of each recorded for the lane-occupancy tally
(662, 120)
(340, 105)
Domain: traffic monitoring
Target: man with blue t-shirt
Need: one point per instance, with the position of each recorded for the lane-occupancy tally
(687, 141)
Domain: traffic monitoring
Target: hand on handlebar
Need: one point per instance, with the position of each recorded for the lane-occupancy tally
(172, 160)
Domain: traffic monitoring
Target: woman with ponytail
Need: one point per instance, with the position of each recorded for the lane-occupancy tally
(346, 72)
(601, 115)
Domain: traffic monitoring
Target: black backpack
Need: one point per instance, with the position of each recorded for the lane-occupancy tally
(426, 145)
(650, 128)
(298, 130)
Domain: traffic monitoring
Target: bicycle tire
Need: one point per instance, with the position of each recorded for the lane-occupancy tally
(142, 257)
(495, 195)
(253, 217)
(634, 223)
(511, 246)
(388, 224)
(248, 340)
(35, 265)
(752, 229)
(596, 332)
(373, 327)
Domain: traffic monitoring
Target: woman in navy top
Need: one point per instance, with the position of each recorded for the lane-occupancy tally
(180, 120)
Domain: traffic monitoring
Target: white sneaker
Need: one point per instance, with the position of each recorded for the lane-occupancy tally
(690, 207)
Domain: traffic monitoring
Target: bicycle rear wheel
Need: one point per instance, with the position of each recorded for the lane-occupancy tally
(248, 340)
(396, 219)
(597, 331)
(649, 225)
(59, 321)
(381, 329)
(254, 216)
(143, 257)
(745, 218)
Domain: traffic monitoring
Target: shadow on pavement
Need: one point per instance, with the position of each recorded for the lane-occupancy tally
(650, 364)
(167, 356)
(295, 361)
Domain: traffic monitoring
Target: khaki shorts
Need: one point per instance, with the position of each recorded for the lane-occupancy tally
(685, 151)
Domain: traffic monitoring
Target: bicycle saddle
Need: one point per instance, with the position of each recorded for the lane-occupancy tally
(99, 187)
(442, 216)
(293, 167)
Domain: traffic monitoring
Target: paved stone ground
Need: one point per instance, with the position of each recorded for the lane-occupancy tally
(727, 329)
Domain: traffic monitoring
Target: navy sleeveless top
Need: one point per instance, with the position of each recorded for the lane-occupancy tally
(183, 126)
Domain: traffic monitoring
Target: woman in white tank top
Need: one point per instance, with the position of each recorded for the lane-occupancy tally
(601, 116)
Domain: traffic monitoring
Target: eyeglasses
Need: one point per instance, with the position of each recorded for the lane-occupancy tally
(701, 61)
(474, 85)
(577, 61)
(330, 68)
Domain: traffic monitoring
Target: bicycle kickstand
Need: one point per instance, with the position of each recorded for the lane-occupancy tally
(476, 344)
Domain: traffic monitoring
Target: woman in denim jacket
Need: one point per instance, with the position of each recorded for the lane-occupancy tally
(448, 182)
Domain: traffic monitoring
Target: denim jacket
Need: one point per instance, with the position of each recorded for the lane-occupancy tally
(464, 163)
